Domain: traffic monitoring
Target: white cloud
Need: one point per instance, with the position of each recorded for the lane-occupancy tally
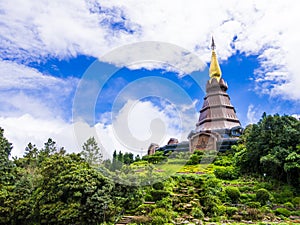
(26, 90)
(297, 116)
(253, 114)
(18, 76)
(152, 55)
(66, 28)
(36, 30)
(142, 120)
(26, 128)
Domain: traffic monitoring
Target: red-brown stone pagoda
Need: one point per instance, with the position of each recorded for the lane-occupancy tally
(218, 126)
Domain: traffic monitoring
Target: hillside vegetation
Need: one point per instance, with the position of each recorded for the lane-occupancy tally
(257, 181)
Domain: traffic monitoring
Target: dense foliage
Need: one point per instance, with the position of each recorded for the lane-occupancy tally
(272, 148)
(48, 186)
(257, 180)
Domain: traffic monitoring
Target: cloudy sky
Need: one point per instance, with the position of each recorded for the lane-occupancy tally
(132, 72)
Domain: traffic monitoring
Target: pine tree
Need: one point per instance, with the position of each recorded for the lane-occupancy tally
(91, 152)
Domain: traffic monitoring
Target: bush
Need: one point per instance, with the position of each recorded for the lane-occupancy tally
(194, 159)
(286, 194)
(197, 213)
(155, 159)
(226, 173)
(210, 204)
(266, 209)
(165, 203)
(144, 209)
(255, 205)
(223, 161)
(160, 216)
(245, 198)
(263, 196)
(159, 194)
(283, 211)
(198, 152)
(158, 186)
(221, 210)
(289, 205)
(296, 202)
(295, 213)
(230, 211)
(233, 193)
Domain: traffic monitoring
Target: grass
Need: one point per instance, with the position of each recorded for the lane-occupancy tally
(174, 166)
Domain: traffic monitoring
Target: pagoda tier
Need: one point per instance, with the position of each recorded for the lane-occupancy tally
(217, 112)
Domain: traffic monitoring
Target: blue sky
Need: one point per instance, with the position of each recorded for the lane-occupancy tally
(131, 73)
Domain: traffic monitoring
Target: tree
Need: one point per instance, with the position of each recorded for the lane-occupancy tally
(5, 163)
(31, 156)
(72, 192)
(137, 158)
(117, 161)
(267, 146)
(91, 152)
(128, 158)
(49, 149)
(292, 167)
(120, 157)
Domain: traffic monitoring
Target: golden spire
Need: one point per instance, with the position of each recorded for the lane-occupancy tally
(214, 68)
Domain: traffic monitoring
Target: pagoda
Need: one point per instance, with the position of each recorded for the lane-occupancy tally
(218, 126)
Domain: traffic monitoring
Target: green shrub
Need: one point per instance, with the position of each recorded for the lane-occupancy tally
(197, 213)
(247, 188)
(165, 203)
(148, 197)
(253, 204)
(245, 198)
(230, 211)
(263, 196)
(289, 205)
(226, 173)
(283, 211)
(158, 220)
(266, 209)
(223, 161)
(295, 213)
(210, 204)
(221, 210)
(160, 216)
(198, 152)
(286, 194)
(158, 186)
(156, 158)
(296, 202)
(194, 160)
(159, 194)
(144, 209)
(233, 193)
